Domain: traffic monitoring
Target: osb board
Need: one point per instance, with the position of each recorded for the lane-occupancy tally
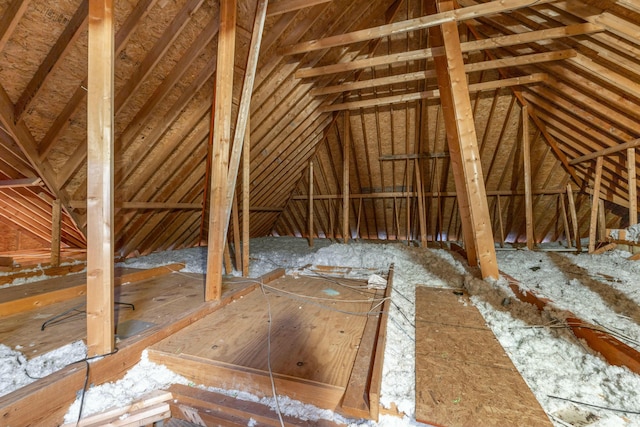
(156, 300)
(463, 376)
(309, 344)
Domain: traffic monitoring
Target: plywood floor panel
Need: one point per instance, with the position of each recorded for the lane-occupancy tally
(463, 375)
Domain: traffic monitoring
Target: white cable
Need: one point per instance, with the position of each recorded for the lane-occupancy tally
(273, 383)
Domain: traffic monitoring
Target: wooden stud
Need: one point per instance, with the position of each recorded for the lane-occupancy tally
(565, 220)
(100, 169)
(528, 198)
(422, 217)
(310, 218)
(594, 204)
(499, 204)
(574, 217)
(611, 150)
(246, 175)
(228, 266)
(345, 178)
(633, 186)
(221, 143)
(461, 135)
(237, 255)
(602, 221)
(359, 217)
(55, 232)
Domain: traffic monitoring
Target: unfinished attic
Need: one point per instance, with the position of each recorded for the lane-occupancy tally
(320, 212)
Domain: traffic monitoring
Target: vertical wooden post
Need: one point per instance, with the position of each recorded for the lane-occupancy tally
(218, 220)
(633, 189)
(422, 218)
(565, 220)
(602, 221)
(528, 197)
(237, 255)
(574, 217)
(345, 178)
(499, 203)
(332, 213)
(359, 216)
(594, 205)
(310, 203)
(463, 147)
(100, 172)
(55, 232)
(246, 171)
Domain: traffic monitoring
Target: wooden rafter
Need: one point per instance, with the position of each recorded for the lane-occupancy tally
(10, 18)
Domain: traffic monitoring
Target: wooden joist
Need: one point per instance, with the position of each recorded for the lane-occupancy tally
(421, 23)
(21, 182)
(606, 151)
(470, 46)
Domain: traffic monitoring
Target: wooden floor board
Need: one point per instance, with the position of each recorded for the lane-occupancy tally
(316, 329)
(463, 375)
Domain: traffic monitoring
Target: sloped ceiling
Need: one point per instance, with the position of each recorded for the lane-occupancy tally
(579, 75)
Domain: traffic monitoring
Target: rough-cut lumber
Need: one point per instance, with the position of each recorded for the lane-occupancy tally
(278, 7)
(463, 375)
(310, 214)
(246, 174)
(574, 217)
(56, 215)
(346, 150)
(100, 176)
(22, 182)
(415, 24)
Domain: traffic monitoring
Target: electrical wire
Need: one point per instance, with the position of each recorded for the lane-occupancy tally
(273, 383)
(606, 408)
(86, 380)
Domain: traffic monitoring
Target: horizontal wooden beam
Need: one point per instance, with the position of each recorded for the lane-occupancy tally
(399, 194)
(81, 204)
(606, 151)
(283, 6)
(23, 182)
(415, 24)
(431, 94)
(469, 68)
(414, 156)
(470, 46)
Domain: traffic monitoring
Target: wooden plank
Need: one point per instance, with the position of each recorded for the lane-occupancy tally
(221, 143)
(605, 152)
(422, 216)
(280, 7)
(310, 217)
(421, 54)
(346, 149)
(415, 24)
(22, 182)
(100, 175)
(528, 198)
(413, 156)
(565, 220)
(594, 204)
(462, 140)
(463, 375)
(499, 204)
(602, 222)
(435, 93)
(236, 233)
(56, 215)
(45, 401)
(246, 174)
(633, 186)
(574, 217)
(6, 261)
(469, 68)
(208, 402)
(41, 297)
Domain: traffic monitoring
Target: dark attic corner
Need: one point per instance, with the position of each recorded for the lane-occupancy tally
(319, 212)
